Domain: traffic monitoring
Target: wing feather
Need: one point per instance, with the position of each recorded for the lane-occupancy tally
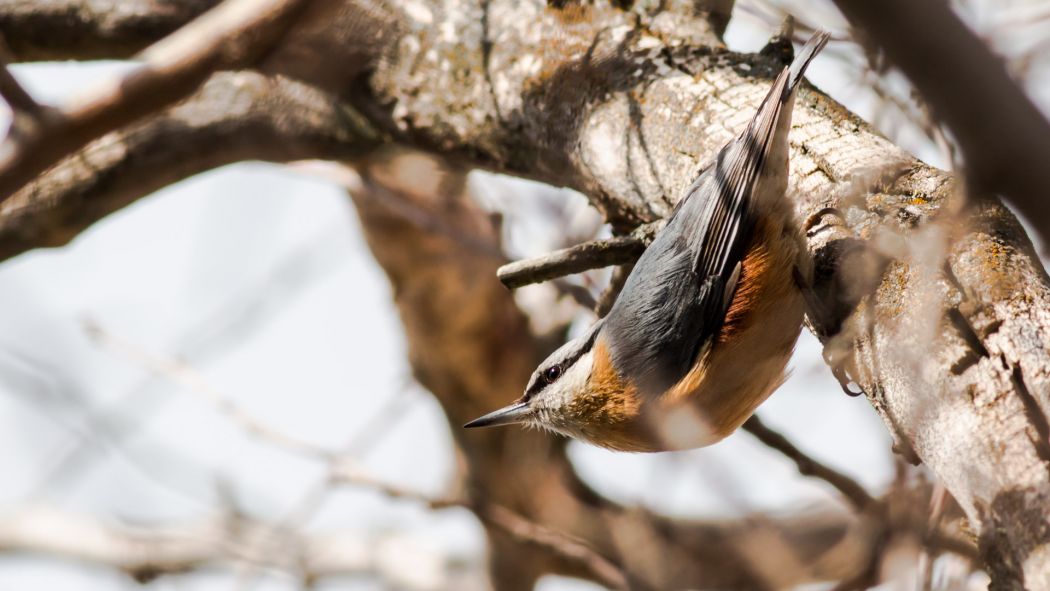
(675, 300)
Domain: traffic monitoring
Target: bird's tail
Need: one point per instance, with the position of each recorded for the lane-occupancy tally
(801, 62)
(762, 129)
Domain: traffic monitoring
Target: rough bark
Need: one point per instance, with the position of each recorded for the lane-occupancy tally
(234, 117)
(37, 30)
(1000, 152)
(937, 309)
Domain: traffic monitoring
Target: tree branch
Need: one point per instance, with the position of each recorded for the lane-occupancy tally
(91, 29)
(188, 377)
(575, 259)
(234, 117)
(21, 103)
(1003, 136)
(521, 529)
(232, 35)
(807, 466)
(145, 553)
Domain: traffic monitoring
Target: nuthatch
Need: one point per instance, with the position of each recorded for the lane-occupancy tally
(708, 318)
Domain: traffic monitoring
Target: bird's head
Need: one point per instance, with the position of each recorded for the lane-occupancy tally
(576, 392)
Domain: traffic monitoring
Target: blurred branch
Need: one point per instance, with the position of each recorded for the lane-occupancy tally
(235, 116)
(314, 497)
(91, 29)
(148, 552)
(192, 380)
(1003, 136)
(612, 291)
(213, 334)
(807, 466)
(21, 103)
(232, 35)
(603, 570)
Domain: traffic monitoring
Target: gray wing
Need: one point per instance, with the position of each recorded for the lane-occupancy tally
(674, 302)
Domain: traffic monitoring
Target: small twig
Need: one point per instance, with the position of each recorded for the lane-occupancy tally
(924, 570)
(188, 377)
(230, 35)
(575, 259)
(523, 530)
(314, 498)
(148, 552)
(514, 525)
(944, 542)
(807, 466)
(578, 293)
(12, 91)
(612, 291)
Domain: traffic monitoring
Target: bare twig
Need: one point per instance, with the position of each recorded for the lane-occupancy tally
(203, 339)
(12, 91)
(612, 291)
(314, 498)
(145, 553)
(188, 377)
(564, 545)
(807, 466)
(578, 293)
(231, 35)
(502, 518)
(275, 120)
(575, 259)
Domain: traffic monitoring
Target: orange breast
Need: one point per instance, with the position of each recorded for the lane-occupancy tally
(747, 361)
(609, 398)
(743, 366)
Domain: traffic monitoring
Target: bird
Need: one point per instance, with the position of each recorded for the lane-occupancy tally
(703, 328)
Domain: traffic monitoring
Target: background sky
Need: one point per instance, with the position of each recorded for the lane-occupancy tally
(258, 277)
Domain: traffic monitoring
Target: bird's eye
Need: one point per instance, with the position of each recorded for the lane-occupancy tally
(552, 373)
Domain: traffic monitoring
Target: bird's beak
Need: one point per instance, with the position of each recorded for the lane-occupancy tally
(514, 413)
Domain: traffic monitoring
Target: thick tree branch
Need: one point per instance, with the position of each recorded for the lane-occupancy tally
(1003, 136)
(232, 35)
(39, 30)
(234, 117)
(21, 103)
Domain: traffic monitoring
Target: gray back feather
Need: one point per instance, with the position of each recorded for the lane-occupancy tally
(675, 300)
